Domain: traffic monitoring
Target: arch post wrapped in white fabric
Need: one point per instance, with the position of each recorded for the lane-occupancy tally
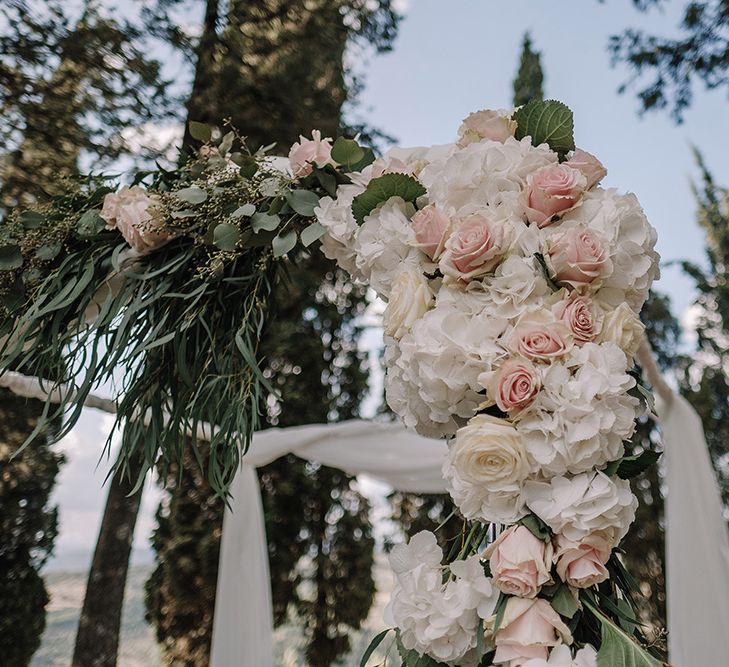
(242, 632)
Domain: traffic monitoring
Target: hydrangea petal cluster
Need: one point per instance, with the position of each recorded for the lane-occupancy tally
(437, 617)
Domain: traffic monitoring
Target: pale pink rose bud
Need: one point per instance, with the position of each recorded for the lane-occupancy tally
(582, 315)
(474, 248)
(540, 338)
(578, 257)
(388, 165)
(551, 190)
(514, 385)
(528, 629)
(520, 562)
(582, 564)
(486, 124)
(307, 152)
(430, 226)
(136, 214)
(591, 168)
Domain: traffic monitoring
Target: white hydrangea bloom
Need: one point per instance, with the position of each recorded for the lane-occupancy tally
(484, 173)
(384, 243)
(438, 364)
(436, 618)
(583, 413)
(583, 504)
(336, 216)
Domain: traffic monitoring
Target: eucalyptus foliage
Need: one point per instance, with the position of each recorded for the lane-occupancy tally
(176, 331)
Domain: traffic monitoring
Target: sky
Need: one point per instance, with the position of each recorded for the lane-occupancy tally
(453, 57)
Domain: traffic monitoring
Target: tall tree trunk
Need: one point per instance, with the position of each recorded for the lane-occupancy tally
(97, 639)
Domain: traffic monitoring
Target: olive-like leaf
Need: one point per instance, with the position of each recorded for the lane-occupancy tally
(90, 223)
(303, 201)
(192, 195)
(48, 252)
(311, 233)
(245, 210)
(347, 152)
(226, 236)
(10, 257)
(282, 243)
(200, 131)
(264, 221)
(31, 219)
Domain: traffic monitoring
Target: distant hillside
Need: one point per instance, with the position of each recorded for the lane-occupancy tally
(138, 646)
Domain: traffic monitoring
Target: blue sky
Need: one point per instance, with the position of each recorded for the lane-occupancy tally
(456, 56)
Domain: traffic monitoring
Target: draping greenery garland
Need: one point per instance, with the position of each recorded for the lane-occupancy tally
(173, 329)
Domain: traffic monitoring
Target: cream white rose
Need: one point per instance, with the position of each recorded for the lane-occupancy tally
(410, 299)
(485, 469)
(624, 328)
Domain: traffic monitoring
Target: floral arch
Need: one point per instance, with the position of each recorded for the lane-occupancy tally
(513, 282)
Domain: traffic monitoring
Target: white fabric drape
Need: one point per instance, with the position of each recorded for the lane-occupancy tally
(243, 628)
(697, 543)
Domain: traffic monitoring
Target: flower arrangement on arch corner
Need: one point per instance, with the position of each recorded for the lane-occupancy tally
(514, 281)
(162, 289)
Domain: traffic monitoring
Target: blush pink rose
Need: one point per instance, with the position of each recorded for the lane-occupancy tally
(540, 338)
(552, 190)
(578, 257)
(474, 248)
(582, 564)
(592, 169)
(308, 152)
(430, 226)
(583, 317)
(486, 124)
(134, 212)
(520, 562)
(514, 385)
(528, 630)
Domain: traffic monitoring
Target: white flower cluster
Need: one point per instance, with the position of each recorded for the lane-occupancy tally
(434, 616)
(513, 288)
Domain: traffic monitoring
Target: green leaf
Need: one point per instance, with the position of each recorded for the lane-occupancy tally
(368, 159)
(381, 189)
(311, 233)
(376, 641)
(245, 210)
(226, 143)
(547, 122)
(537, 527)
(90, 223)
(327, 180)
(626, 612)
(617, 649)
(225, 236)
(10, 258)
(347, 152)
(632, 466)
(248, 166)
(15, 297)
(303, 201)
(200, 131)
(564, 603)
(31, 219)
(282, 243)
(192, 195)
(47, 252)
(264, 221)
